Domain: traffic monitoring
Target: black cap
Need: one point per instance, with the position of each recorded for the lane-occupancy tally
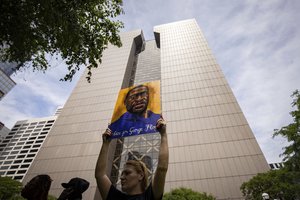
(78, 184)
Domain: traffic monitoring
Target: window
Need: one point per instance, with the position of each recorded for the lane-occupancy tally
(14, 152)
(21, 172)
(33, 150)
(20, 143)
(18, 177)
(4, 167)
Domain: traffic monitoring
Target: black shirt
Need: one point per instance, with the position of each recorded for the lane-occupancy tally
(115, 194)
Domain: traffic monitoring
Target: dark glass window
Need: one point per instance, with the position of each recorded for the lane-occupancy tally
(21, 171)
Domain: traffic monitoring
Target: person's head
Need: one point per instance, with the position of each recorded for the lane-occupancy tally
(136, 100)
(134, 175)
(37, 188)
(74, 189)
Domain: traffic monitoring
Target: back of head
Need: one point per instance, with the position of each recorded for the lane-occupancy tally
(140, 167)
(37, 188)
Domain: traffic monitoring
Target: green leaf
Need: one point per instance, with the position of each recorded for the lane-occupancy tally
(77, 30)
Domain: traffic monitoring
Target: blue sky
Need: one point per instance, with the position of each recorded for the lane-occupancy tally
(256, 43)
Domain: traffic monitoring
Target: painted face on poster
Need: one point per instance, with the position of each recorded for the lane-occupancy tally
(137, 110)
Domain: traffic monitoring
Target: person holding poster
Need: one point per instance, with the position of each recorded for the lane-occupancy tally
(134, 175)
(134, 111)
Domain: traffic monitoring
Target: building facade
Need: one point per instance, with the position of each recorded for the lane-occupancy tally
(212, 148)
(6, 83)
(3, 132)
(275, 166)
(20, 146)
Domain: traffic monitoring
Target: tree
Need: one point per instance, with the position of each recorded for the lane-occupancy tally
(277, 183)
(9, 189)
(292, 133)
(186, 194)
(284, 182)
(76, 30)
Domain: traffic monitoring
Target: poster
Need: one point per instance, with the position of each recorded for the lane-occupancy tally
(137, 110)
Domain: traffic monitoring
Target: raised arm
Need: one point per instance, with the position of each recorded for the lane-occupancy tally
(103, 181)
(158, 182)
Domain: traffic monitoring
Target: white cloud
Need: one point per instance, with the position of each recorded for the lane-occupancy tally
(35, 95)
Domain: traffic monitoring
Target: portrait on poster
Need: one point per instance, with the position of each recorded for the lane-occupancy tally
(137, 110)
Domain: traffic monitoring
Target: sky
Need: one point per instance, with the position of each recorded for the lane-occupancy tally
(256, 43)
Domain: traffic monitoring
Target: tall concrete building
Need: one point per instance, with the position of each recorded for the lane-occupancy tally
(20, 146)
(212, 148)
(6, 83)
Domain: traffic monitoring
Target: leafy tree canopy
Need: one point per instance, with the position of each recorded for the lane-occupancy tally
(277, 183)
(186, 194)
(292, 133)
(76, 30)
(9, 188)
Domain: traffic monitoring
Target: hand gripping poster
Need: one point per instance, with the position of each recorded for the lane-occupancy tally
(137, 110)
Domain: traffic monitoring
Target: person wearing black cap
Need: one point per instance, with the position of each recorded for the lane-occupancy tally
(74, 189)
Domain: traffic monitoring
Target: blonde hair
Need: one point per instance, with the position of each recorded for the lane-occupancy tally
(140, 167)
